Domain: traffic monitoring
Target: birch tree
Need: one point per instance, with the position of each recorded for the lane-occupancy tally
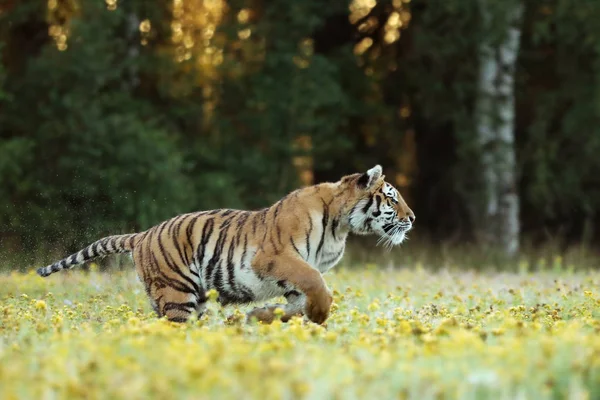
(498, 222)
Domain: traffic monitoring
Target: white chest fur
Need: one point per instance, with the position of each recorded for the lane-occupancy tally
(331, 254)
(325, 244)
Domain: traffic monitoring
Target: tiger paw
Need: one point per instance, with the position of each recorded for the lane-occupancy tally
(261, 314)
(266, 314)
(317, 307)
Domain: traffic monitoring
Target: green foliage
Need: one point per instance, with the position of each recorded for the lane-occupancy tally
(83, 155)
(112, 135)
(560, 153)
(291, 93)
(3, 93)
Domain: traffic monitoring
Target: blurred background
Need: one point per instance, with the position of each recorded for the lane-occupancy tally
(115, 115)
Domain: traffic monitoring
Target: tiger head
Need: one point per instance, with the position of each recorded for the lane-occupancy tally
(376, 207)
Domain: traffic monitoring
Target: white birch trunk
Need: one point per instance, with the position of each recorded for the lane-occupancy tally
(495, 118)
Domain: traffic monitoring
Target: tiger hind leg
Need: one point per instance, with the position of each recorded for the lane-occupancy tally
(170, 297)
(178, 306)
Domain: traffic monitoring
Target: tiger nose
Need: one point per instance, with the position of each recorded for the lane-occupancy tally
(411, 218)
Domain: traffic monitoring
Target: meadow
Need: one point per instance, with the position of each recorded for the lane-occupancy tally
(394, 333)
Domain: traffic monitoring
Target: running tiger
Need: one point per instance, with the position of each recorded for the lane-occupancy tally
(249, 256)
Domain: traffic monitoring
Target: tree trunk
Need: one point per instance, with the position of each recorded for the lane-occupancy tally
(498, 222)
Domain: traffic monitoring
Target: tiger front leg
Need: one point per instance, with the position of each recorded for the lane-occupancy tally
(305, 279)
(295, 307)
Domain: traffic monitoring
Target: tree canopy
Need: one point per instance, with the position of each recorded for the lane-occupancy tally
(115, 115)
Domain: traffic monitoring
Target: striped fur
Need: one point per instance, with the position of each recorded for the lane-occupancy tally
(249, 256)
(100, 248)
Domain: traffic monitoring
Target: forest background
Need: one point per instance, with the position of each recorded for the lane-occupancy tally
(115, 115)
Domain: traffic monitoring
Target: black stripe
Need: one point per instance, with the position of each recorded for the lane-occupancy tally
(244, 295)
(275, 247)
(278, 230)
(207, 231)
(226, 222)
(248, 296)
(95, 248)
(217, 281)
(179, 306)
(363, 180)
(243, 218)
(114, 241)
(324, 222)
(202, 298)
(270, 267)
(175, 232)
(169, 260)
(281, 284)
(105, 244)
(334, 225)
(161, 278)
(263, 215)
(255, 216)
(72, 259)
(153, 262)
(173, 266)
(377, 211)
(292, 292)
(142, 261)
(141, 251)
(244, 252)
(163, 226)
(118, 244)
(131, 241)
(310, 228)
(295, 247)
(368, 205)
(178, 319)
(174, 284)
(188, 233)
(231, 267)
(210, 267)
(213, 212)
(87, 253)
(240, 223)
(239, 293)
(388, 227)
(278, 207)
(121, 243)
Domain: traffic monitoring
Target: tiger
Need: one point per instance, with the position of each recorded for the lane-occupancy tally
(281, 251)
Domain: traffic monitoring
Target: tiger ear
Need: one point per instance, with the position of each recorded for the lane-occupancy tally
(368, 179)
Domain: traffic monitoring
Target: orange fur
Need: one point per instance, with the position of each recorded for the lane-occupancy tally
(250, 255)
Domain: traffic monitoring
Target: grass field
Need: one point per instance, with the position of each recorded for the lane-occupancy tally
(393, 334)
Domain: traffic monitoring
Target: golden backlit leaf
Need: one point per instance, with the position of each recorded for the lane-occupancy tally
(145, 26)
